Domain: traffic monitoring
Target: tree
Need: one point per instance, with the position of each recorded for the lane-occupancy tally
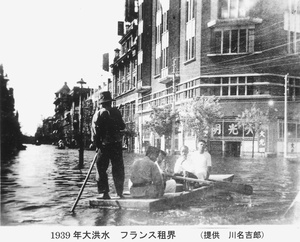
(253, 120)
(162, 120)
(128, 135)
(200, 114)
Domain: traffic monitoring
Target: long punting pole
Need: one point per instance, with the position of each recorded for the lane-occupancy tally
(84, 183)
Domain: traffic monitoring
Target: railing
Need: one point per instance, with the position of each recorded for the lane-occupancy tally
(202, 86)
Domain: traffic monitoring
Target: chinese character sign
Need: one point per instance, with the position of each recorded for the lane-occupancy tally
(231, 130)
(262, 135)
(217, 130)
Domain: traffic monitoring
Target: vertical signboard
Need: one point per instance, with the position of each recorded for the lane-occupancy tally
(262, 136)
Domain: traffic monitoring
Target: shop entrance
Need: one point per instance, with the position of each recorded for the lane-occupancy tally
(232, 148)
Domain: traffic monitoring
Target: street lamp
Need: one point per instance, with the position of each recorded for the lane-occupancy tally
(285, 116)
(80, 165)
(173, 108)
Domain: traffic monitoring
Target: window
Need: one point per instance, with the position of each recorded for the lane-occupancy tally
(123, 85)
(139, 72)
(158, 35)
(165, 54)
(232, 86)
(292, 130)
(165, 21)
(157, 65)
(165, 44)
(127, 112)
(241, 87)
(190, 30)
(118, 86)
(140, 42)
(190, 10)
(232, 9)
(230, 41)
(128, 43)
(133, 110)
(226, 41)
(158, 28)
(250, 88)
(127, 68)
(124, 48)
(225, 80)
(294, 87)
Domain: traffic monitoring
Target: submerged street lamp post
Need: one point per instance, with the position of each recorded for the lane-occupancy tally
(285, 140)
(173, 109)
(80, 165)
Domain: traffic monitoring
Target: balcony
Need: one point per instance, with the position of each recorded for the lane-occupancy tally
(234, 22)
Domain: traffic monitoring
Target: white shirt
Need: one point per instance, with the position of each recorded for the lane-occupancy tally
(198, 164)
(183, 164)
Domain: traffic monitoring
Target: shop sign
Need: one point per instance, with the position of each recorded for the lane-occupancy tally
(248, 132)
(262, 141)
(231, 130)
(217, 130)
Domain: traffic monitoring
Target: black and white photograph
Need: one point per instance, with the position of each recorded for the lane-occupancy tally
(138, 120)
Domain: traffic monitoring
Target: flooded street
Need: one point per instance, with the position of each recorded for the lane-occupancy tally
(40, 185)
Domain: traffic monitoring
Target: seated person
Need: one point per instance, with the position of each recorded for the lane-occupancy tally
(184, 166)
(179, 167)
(196, 165)
(201, 162)
(146, 178)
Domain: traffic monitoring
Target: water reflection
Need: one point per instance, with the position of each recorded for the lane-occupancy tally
(40, 185)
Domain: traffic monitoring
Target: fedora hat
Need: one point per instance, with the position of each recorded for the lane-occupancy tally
(105, 97)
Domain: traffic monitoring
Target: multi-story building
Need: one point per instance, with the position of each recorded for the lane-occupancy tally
(243, 50)
(67, 114)
(239, 50)
(11, 135)
(62, 104)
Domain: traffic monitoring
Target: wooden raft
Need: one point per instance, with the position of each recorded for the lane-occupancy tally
(168, 201)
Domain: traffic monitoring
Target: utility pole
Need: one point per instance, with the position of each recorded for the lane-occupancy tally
(173, 109)
(80, 164)
(295, 25)
(289, 27)
(285, 117)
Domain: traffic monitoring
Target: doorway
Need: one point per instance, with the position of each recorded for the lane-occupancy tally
(232, 148)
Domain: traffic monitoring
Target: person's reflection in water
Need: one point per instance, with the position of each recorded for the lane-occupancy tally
(109, 217)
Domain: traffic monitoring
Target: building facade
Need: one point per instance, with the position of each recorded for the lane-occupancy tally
(68, 115)
(239, 50)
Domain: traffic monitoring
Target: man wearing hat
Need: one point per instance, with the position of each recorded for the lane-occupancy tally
(107, 124)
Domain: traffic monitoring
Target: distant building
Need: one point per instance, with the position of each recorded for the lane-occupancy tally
(11, 135)
(67, 113)
(62, 104)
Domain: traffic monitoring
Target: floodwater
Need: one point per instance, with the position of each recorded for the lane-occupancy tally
(39, 186)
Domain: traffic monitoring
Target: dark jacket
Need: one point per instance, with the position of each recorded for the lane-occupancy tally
(106, 126)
